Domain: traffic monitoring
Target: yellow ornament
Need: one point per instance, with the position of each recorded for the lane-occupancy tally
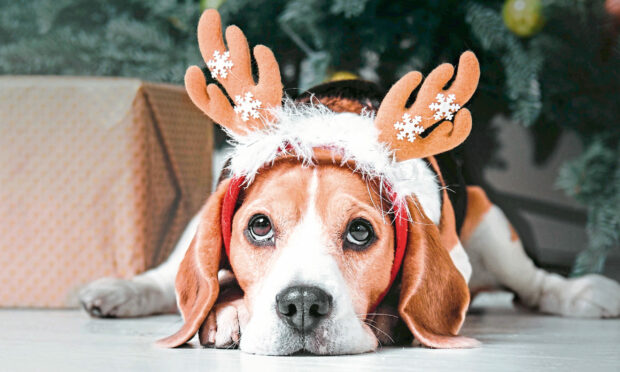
(613, 8)
(523, 17)
(210, 4)
(342, 75)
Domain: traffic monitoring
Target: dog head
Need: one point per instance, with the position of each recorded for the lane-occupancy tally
(323, 209)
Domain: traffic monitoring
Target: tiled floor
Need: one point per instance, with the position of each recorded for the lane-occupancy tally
(68, 340)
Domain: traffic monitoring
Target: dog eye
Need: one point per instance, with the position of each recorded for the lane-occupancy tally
(260, 230)
(359, 234)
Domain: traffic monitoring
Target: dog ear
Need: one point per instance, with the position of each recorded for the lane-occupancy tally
(196, 284)
(434, 295)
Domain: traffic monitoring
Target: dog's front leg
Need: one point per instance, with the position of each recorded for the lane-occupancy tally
(151, 292)
(226, 321)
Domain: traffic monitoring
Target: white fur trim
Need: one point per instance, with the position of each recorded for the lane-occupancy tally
(305, 127)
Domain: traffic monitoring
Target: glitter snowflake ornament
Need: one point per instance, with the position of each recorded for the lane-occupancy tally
(220, 65)
(408, 127)
(444, 107)
(247, 106)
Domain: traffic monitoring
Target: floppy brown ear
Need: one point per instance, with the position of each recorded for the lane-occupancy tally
(196, 284)
(434, 295)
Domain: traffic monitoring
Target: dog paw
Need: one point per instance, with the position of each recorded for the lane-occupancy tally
(589, 296)
(111, 297)
(224, 325)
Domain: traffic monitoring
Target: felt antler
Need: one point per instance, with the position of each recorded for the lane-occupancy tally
(233, 70)
(399, 125)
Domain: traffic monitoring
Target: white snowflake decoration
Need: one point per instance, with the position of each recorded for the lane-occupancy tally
(247, 106)
(220, 64)
(444, 108)
(409, 127)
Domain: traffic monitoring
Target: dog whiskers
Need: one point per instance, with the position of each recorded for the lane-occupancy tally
(382, 331)
(367, 320)
(378, 314)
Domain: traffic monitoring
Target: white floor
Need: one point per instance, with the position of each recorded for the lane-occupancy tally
(513, 340)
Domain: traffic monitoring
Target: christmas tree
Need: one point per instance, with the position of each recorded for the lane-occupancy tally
(550, 64)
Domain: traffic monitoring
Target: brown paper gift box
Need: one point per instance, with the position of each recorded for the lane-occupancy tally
(98, 177)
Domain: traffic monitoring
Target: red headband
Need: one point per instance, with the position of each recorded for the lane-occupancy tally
(400, 227)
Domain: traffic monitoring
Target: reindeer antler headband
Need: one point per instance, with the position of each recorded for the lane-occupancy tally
(432, 105)
(256, 105)
(263, 129)
(233, 69)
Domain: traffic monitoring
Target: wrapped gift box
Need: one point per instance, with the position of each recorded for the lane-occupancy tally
(98, 177)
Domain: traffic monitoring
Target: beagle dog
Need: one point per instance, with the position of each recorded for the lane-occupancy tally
(332, 229)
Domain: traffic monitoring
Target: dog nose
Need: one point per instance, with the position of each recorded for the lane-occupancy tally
(302, 307)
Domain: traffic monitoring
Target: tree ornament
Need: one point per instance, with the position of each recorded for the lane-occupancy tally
(613, 8)
(210, 4)
(523, 17)
(342, 75)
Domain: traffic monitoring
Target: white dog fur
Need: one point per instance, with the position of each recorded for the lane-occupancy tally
(305, 261)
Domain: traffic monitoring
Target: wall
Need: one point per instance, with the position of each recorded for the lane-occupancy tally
(555, 241)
